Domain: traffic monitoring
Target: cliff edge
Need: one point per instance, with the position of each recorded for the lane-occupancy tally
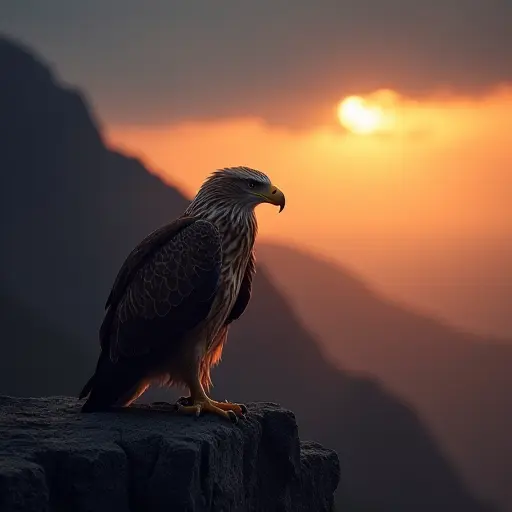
(53, 458)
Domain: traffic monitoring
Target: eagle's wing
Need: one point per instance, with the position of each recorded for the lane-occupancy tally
(165, 288)
(140, 254)
(244, 294)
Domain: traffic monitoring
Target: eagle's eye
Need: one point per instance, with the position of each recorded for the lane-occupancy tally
(252, 183)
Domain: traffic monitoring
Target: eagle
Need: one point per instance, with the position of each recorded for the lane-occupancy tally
(177, 293)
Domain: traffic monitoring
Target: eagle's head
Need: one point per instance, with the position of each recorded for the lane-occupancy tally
(239, 188)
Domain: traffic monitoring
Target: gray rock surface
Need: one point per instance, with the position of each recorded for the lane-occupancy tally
(54, 458)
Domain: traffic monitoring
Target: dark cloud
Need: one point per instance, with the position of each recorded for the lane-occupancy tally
(285, 61)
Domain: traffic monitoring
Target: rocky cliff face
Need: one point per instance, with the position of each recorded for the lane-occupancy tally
(54, 458)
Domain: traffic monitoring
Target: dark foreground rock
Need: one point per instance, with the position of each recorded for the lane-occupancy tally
(54, 458)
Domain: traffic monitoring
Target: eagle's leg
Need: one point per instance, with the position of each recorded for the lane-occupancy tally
(199, 403)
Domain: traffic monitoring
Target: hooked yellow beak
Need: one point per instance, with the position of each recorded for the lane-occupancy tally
(274, 196)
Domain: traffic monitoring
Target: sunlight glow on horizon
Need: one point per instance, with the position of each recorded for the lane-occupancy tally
(444, 168)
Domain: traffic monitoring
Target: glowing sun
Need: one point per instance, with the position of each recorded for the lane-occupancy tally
(359, 116)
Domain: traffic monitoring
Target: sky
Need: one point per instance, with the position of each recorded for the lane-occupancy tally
(287, 62)
(190, 86)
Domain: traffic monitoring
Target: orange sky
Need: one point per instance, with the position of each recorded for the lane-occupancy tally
(444, 168)
(442, 172)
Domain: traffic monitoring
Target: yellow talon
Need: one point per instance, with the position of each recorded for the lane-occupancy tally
(209, 406)
(238, 409)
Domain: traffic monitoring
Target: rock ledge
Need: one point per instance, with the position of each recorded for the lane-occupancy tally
(53, 458)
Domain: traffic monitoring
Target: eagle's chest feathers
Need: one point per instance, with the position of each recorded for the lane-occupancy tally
(236, 250)
(231, 276)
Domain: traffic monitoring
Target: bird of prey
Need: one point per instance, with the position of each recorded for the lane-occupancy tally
(174, 298)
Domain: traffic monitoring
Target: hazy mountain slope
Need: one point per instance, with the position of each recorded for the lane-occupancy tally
(465, 279)
(460, 383)
(72, 210)
(35, 356)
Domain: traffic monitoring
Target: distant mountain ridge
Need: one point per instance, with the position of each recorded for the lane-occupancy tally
(459, 382)
(72, 210)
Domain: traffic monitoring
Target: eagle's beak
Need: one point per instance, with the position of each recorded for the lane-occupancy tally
(275, 196)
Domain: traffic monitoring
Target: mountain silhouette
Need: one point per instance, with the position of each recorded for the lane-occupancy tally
(35, 355)
(460, 383)
(72, 210)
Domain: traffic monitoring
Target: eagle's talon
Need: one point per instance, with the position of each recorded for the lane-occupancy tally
(244, 409)
(202, 406)
(238, 409)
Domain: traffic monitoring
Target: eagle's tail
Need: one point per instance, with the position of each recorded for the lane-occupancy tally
(90, 383)
(112, 385)
(87, 388)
